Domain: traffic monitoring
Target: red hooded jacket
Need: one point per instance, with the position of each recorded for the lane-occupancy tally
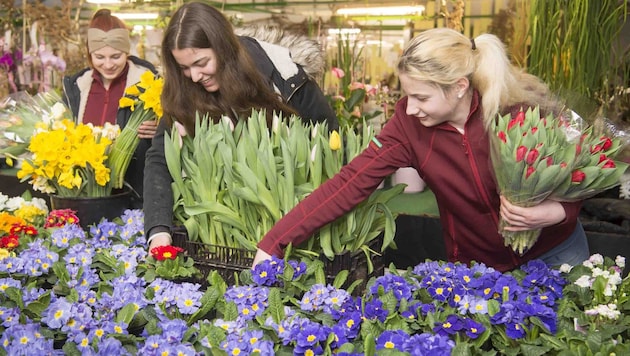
(455, 166)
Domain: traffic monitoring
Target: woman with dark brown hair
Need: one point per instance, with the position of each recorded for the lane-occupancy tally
(209, 70)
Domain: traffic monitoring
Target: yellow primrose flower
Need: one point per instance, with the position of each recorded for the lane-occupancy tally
(4, 253)
(334, 141)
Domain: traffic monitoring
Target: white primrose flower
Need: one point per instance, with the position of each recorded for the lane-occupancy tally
(566, 268)
(39, 203)
(596, 271)
(609, 311)
(620, 261)
(3, 201)
(14, 203)
(597, 259)
(584, 282)
(588, 264)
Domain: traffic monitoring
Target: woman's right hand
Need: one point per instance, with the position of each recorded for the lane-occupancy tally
(260, 256)
(159, 239)
(147, 129)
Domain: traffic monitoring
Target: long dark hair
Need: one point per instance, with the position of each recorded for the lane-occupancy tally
(242, 87)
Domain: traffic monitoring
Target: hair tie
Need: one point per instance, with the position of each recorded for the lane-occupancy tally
(474, 46)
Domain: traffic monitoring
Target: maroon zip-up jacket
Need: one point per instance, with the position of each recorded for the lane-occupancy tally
(455, 166)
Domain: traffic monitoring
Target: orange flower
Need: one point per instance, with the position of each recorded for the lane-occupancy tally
(7, 221)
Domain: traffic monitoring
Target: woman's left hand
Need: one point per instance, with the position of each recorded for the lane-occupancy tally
(545, 214)
(147, 129)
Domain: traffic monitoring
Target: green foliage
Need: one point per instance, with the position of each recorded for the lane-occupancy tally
(232, 184)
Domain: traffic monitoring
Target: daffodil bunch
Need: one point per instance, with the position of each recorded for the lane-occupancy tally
(143, 99)
(21, 119)
(70, 159)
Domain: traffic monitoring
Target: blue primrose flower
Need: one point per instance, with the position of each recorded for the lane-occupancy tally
(374, 311)
(391, 340)
(57, 314)
(266, 273)
(61, 237)
(427, 344)
(473, 328)
(103, 233)
(111, 346)
(401, 289)
(309, 338)
(450, 326)
(26, 339)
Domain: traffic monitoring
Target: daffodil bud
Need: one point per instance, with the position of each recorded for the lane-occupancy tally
(334, 141)
(313, 153)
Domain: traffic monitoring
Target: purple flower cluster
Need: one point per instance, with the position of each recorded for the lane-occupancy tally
(270, 273)
(251, 301)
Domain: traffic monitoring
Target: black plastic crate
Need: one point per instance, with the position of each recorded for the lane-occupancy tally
(230, 261)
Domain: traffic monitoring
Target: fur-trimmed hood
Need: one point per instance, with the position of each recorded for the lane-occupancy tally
(304, 51)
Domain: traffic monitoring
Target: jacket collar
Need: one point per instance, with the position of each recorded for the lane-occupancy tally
(84, 83)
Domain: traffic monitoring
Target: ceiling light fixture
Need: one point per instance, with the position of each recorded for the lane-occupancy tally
(381, 11)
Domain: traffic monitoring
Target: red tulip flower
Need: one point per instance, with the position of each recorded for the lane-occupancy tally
(521, 151)
(532, 156)
(577, 176)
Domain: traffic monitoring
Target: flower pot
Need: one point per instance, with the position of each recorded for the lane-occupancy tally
(409, 176)
(91, 210)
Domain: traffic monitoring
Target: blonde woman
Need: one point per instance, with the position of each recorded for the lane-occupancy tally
(455, 87)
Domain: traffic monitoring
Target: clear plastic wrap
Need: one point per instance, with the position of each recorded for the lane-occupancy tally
(563, 157)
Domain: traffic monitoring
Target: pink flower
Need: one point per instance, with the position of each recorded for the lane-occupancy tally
(338, 72)
(356, 85)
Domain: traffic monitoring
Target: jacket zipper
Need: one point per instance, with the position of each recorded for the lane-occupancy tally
(479, 185)
(105, 107)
